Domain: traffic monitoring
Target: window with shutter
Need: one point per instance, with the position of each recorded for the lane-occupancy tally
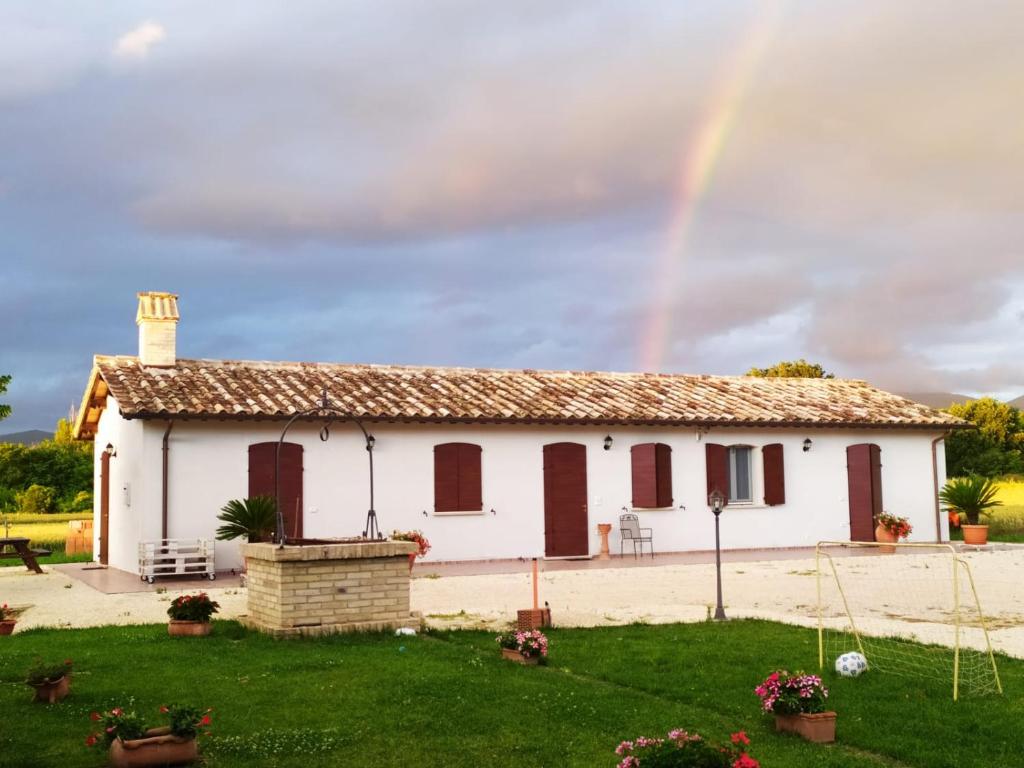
(774, 475)
(652, 475)
(458, 483)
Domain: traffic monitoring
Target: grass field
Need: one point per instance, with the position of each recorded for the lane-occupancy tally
(448, 699)
(47, 532)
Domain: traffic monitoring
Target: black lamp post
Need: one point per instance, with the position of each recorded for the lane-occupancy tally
(716, 500)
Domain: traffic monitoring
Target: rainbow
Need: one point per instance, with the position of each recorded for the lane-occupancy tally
(696, 172)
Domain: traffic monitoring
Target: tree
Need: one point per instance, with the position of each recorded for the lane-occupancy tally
(5, 410)
(994, 448)
(792, 369)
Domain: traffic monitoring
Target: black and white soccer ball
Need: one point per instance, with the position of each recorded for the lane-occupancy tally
(851, 664)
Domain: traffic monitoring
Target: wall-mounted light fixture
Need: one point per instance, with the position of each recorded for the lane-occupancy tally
(370, 442)
(807, 444)
(607, 442)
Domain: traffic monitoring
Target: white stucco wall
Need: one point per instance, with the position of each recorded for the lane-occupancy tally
(209, 464)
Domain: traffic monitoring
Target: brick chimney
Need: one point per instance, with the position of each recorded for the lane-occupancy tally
(157, 319)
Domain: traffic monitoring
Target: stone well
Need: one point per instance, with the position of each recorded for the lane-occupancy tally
(328, 587)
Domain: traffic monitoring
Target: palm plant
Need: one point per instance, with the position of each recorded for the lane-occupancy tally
(254, 518)
(971, 496)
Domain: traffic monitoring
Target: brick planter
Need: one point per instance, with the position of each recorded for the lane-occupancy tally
(324, 588)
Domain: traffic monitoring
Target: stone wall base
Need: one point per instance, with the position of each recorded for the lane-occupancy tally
(328, 587)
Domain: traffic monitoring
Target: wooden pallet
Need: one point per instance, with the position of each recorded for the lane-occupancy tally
(176, 557)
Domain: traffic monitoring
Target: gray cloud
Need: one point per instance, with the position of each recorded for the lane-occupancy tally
(482, 184)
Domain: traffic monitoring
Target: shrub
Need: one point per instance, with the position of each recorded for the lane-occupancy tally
(529, 644)
(416, 537)
(37, 499)
(254, 519)
(784, 694)
(899, 527)
(192, 608)
(680, 749)
(970, 496)
(186, 722)
(80, 502)
(115, 724)
(42, 673)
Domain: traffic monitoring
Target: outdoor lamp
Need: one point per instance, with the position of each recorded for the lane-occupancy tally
(607, 442)
(370, 442)
(716, 500)
(807, 444)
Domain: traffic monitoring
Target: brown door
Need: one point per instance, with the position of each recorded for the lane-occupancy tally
(864, 475)
(262, 473)
(104, 507)
(565, 500)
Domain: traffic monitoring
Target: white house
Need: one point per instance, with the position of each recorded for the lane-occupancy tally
(498, 463)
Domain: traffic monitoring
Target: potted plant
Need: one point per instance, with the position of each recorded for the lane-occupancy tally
(524, 647)
(190, 615)
(130, 744)
(7, 620)
(51, 681)
(254, 519)
(798, 703)
(971, 497)
(417, 538)
(890, 529)
(680, 748)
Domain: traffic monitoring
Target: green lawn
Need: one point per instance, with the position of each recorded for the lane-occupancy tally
(448, 699)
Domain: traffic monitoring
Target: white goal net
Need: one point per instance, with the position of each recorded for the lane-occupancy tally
(910, 609)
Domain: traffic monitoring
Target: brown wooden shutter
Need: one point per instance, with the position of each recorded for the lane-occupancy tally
(446, 477)
(645, 482)
(262, 476)
(774, 475)
(864, 477)
(717, 459)
(663, 462)
(470, 480)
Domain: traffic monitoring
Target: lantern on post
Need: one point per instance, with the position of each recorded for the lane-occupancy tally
(717, 500)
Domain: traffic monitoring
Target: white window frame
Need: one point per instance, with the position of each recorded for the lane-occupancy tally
(756, 476)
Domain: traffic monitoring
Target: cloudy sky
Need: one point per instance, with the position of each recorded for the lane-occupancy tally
(696, 187)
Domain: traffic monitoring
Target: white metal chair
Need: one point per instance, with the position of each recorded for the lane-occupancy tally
(630, 530)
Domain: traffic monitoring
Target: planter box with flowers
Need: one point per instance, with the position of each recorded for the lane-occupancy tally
(190, 615)
(52, 682)
(417, 538)
(890, 529)
(798, 703)
(970, 497)
(7, 620)
(530, 647)
(130, 744)
(680, 748)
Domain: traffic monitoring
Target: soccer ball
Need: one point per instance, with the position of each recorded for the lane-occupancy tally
(851, 664)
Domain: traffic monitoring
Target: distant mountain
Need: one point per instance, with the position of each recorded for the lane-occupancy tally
(28, 437)
(1017, 402)
(936, 399)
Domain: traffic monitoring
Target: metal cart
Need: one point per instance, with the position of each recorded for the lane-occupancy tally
(176, 557)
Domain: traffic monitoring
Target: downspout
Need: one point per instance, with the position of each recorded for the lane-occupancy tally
(163, 490)
(935, 484)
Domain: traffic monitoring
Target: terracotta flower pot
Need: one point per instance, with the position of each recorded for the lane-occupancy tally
(819, 728)
(183, 628)
(513, 655)
(53, 691)
(158, 747)
(883, 534)
(975, 535)
(7, 626)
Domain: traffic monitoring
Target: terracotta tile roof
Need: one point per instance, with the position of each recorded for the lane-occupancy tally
(239, 389)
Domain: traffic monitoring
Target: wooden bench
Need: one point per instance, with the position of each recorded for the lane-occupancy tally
(18, 547)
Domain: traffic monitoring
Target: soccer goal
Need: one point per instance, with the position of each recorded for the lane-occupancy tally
(910, 609)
